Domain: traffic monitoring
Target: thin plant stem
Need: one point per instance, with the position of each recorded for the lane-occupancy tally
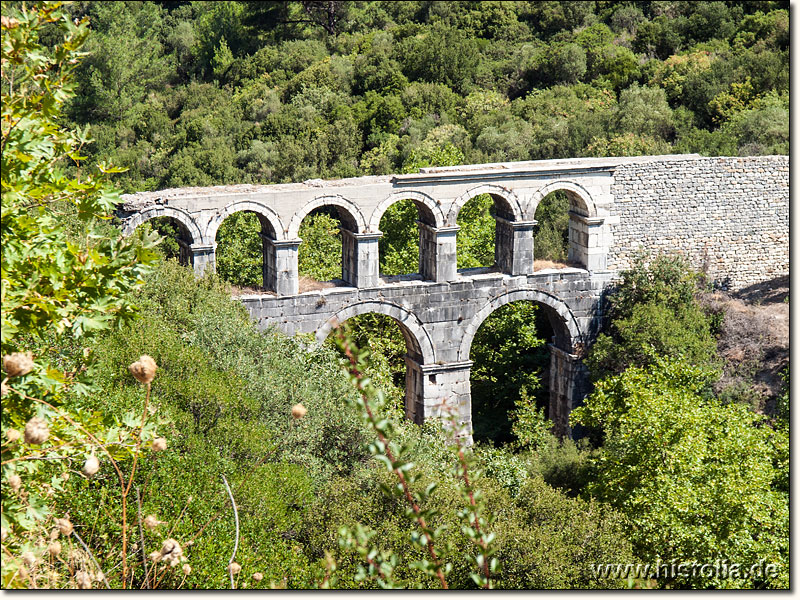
(476, 523)
(94, 560)
(141, 537)
(236, 520)
(180, 517)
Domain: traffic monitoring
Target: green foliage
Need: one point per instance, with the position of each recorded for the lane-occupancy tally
(695, 478)
(551, 241)
(509, 355)
(399, 247)
(240, 250)
(202, 94)
(246, 92)
(66, 276)
(654, 314)
(321, 251)
(475, 238)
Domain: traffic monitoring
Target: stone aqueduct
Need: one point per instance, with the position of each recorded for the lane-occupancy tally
(440, 308)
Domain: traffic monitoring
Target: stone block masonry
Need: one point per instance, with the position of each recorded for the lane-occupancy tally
(728, 216)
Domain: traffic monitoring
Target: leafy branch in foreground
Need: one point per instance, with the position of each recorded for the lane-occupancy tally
(66, 277)
(381, 564)
(390, 453)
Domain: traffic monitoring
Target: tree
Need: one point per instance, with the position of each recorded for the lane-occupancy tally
(654, 314)
(698, 480)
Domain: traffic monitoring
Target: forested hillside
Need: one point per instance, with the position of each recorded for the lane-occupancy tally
(153, 438)
(207, 93)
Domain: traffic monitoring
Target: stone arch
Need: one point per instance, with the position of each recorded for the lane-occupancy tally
(416, 336)
(351, 215)
(180, 215)
(565, 326)
(427, 206)
(509, 207)
(265, 214)
(579, 197)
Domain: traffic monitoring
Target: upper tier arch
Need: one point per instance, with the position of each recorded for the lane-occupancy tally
(508, 198)
(180, 215)
(352, 213)
(578, 195)
(245, 205)
(427, 203)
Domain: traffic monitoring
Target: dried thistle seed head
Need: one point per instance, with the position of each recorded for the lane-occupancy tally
(15, 482)
(91, 466)
(54, 533)
(234, 568)
(12, 435)
(151, 522)
(83, 580)
(187, 569)
(29, 559)
(144, 369)
(4, 389)
(18, 364)
(154, 555)
(171, 552)
(258, 576)
(36, 431)
(299, 411)
(159, 444)
(54, 548)
(64, 526)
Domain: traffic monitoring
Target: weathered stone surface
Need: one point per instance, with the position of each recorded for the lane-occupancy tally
(729, 216)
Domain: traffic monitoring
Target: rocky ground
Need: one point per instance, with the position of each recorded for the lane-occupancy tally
(754, 341)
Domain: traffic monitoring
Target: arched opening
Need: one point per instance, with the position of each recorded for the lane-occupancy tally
(242, 250)
(509, 378)
(177, 240)
(398, 347)
(320, 255)
(330, 253)
(488, 235)
(389, 345)
(402, 225)
(551, 234)
(475, 240)
(566, 232)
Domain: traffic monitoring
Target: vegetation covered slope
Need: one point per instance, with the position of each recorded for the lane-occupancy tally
(203, 93)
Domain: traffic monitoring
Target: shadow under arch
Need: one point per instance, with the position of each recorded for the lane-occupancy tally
(563, 322)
